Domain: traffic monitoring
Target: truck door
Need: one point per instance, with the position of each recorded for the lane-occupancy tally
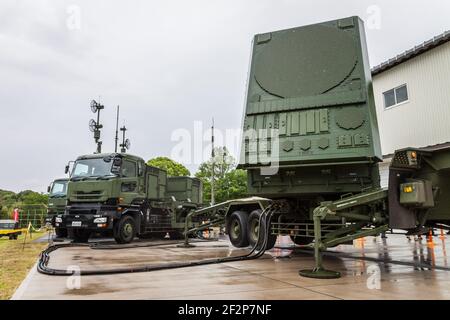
(141, 179)
(129, 183)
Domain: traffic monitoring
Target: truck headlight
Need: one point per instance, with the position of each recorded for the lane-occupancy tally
(101, 220)
(58, 220)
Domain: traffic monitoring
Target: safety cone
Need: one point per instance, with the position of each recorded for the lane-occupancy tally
(430, 239)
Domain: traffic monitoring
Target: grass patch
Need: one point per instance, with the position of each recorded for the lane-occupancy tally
(16, 261)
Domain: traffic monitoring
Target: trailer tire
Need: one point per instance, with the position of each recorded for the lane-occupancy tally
(237, 229)
(81, 235)
(125, 230)
(254, 228)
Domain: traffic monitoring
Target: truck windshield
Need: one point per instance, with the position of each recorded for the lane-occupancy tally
(92, 168)
(59, 189)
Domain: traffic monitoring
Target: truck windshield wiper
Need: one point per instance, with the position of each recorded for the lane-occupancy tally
(106, 177)
(60, 195)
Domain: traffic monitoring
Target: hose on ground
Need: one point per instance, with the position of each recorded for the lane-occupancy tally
(266, 215)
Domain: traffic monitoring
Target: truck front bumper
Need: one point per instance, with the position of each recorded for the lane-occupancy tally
(55, 220)
(94, 217)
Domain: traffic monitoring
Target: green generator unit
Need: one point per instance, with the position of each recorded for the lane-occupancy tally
(185, 189)
(156, 183)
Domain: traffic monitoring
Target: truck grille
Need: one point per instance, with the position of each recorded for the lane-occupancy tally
(88, 196)
(82, 211)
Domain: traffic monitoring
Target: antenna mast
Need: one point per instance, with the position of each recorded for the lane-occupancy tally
(213, 163)
(95, 126)
(117, 130)
(126, 144)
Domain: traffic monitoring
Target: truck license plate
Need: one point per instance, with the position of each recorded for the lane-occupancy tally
(76, 223)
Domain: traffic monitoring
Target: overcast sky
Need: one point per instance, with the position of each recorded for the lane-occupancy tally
(167, 63)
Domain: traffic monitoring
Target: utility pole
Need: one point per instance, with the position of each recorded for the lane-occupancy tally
(213, 163)
(117, 130)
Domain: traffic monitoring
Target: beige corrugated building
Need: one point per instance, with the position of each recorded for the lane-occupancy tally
(412, 97)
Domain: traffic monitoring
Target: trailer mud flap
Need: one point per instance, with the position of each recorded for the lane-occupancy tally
(399, 216)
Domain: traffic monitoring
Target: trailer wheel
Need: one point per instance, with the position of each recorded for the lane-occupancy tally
(125, 230)
(81, 235)
(301, 240)
(254, 228)
(237, 227)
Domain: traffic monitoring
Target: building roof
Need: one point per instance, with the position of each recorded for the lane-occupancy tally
(414, 52)
(435, 147)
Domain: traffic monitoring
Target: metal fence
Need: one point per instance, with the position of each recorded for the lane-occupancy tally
(34, 213)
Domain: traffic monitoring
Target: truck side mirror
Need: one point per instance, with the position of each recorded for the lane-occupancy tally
(117, 164)
(48, 189)
(66, 171)
(140, 169)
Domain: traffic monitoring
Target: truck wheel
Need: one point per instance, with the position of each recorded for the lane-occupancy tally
(81, 235)
(61, 232)
(125, 230)
(237, 227)
(254, 228)
(301, 240)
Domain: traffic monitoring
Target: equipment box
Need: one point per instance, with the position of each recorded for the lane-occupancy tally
(156, 183)
(417, 193)
(184, 189)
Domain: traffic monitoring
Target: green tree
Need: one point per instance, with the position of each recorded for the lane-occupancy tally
(10, 200)
(229, 182)
(173, 168)
(31, 197)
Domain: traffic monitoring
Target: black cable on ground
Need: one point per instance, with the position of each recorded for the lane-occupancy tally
(43, 268)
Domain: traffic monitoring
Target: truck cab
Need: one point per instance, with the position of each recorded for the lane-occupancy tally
(119, 193)
(57, 198)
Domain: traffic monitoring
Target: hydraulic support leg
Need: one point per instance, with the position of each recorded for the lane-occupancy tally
(319, 272)
(363, 226)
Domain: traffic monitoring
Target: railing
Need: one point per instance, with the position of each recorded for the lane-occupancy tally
(34, 213)
(304, 229)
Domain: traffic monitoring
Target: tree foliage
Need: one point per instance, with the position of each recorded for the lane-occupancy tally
(173, 168)
(10, 200)
(229, 182)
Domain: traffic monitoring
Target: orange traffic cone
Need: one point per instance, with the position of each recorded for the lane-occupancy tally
(430, 239)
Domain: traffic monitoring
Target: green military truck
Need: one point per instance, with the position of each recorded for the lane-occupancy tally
(120, 194)
(57, 192)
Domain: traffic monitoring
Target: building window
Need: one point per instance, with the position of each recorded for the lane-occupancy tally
(395, 96)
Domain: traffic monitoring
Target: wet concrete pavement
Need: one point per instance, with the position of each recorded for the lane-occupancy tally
(269, 277)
